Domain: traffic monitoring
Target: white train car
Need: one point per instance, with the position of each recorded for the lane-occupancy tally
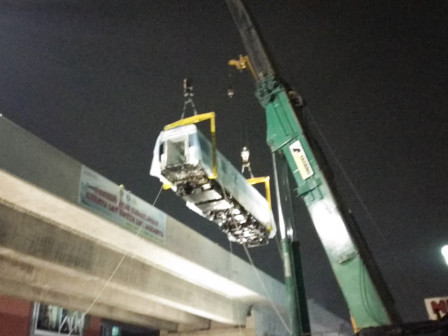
(184, 160)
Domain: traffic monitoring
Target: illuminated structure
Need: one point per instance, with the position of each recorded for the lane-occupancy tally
(188, 163)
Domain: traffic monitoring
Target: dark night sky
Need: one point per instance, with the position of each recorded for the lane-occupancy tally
(99, 79)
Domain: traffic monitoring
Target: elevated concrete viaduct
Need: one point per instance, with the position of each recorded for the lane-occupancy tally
(56, 250)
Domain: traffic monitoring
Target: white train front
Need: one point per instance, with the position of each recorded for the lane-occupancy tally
(183, 159)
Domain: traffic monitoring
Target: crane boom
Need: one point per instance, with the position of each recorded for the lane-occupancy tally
(366, 294)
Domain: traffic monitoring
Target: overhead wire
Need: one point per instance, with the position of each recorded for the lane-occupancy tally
(97, 297)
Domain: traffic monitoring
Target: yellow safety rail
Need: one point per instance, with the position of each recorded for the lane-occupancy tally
(267, 186)
(193, 120)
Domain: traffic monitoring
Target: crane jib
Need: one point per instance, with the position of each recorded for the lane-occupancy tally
(358, 276)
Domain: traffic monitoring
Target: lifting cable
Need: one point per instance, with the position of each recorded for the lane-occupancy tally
(245, 162)
(245, 153)
(123, 257)
(188, 97)
(245, 165)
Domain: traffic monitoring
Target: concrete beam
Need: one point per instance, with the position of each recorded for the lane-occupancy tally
(61, 259)
(49, 296)
(46, 277)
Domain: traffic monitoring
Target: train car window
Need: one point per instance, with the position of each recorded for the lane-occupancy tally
(175, 152)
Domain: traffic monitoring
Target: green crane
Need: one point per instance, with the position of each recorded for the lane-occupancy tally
(363, 288)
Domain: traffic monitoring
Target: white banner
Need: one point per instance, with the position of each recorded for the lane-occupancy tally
(437, 307)
(119, 205)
